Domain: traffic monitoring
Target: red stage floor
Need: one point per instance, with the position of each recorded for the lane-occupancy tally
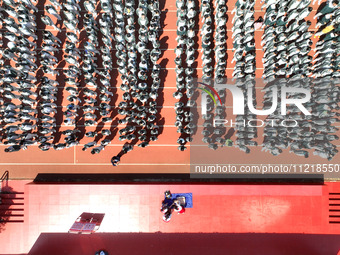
(298, 209)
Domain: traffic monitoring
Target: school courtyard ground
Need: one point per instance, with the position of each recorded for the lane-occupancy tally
(301, 217)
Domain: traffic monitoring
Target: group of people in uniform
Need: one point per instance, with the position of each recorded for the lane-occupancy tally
(287, 61)
(30, 94)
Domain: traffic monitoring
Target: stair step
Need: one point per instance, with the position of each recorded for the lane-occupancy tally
(10, 203)
(11, 199)
(11, 215)
(13, 221)
(334, 208)
(11, 209)
(7, 207)
(11, 196)
(4, 191)
(11, 212)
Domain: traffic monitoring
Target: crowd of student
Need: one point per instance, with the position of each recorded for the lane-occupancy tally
(326, 91)
(244, 72)
(29, 74)
(17, 82)
(287, 61)
(97, 78)
(214, 51)
(140, 80)
(185, 72)
(29, 93)
(214, 134)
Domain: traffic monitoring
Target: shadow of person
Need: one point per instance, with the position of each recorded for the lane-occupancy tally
(230, 133)
(113, 128)
(161, 123)
(163, 45)
(163, 76)
(123, 151)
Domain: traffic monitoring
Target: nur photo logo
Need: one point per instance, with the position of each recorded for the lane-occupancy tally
(239, 98)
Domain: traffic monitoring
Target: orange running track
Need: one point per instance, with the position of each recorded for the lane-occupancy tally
(161, 156)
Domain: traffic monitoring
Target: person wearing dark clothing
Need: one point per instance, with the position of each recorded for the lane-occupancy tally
(167, 206)
(127, 148)
(15, 148)
(115, 160)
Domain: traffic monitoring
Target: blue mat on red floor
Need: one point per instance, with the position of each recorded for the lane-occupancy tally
(188, 198)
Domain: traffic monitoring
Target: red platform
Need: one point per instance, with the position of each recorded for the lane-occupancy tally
(295, 209)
